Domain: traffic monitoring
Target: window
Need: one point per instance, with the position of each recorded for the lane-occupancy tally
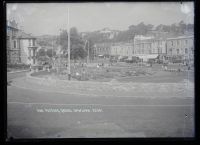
(185, 41)
(15, 44)
(186, 50)
(33, 42)
(178, 42)
(29, 53)
(192, 50)
(170, 50)
(150, 51)
(142, 51)
(29, 41)
(172, 43)
(177, 51)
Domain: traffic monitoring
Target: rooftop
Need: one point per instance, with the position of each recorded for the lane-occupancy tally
(23, 35)
(181, 37)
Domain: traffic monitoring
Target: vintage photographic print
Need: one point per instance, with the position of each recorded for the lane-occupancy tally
(100, 70)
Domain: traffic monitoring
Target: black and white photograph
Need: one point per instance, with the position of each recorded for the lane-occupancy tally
(100, 70)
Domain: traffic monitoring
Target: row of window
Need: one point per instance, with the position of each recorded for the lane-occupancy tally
(141, 51)
(15, 43)
(178, 42)
(33, 42)
(178, 50)
(102, 49)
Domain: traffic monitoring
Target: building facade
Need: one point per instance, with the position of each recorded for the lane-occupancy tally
(28, 48)
(148, 47)
(102, 49)
(13, 51)
(21, 47)
(182, 47)
(122, 49)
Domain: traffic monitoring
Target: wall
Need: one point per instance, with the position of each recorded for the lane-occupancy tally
(24, 44)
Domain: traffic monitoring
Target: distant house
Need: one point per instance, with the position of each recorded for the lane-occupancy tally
(108, 33)
(21, 47)
(28, 47)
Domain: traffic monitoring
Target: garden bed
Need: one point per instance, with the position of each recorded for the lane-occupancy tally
(119, 72)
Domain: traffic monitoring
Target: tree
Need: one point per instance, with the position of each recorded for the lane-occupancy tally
(190, 27)
(41, 52)
(76, 44)
(182, 27)
(174, 28)
(41, 55)
(50, 52)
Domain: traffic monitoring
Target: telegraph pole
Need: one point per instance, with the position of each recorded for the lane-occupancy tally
(69, 73)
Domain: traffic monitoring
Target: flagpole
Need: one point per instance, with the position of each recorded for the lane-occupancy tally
(88, 53)
(69, 74)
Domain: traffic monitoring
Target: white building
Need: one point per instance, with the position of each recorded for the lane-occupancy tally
(147, 47)
(122, 49)
(28, 47)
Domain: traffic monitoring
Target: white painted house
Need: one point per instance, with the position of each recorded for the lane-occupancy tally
(28, 47)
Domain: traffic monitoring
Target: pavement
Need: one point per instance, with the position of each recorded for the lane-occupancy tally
(44, 109)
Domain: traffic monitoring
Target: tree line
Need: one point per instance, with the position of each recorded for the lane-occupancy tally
(143, 29)
(80, 46)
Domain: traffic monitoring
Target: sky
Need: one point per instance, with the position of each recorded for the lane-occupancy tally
(49, 18)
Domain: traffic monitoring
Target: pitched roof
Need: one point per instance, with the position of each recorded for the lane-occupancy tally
(23, 35)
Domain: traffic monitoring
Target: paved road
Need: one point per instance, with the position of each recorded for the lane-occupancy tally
(33, 113)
